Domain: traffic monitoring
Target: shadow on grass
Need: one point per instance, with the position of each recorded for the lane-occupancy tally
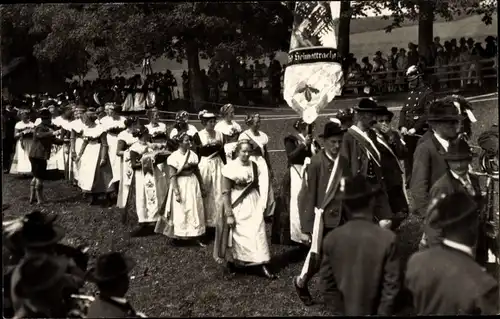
(296, 255)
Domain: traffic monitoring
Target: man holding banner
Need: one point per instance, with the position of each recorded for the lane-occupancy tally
(313, 78)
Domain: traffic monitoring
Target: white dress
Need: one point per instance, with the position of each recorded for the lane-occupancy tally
(231, 131)
(113, 128)
(192, 130)
(93, 178)
(56, 160)
(210, 171)
(21, 163)
(187, 217)
(126, 171)
(261, 141)
(77, 126)
(249, 239)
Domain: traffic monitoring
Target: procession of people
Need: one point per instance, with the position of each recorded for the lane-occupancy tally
(343, 198)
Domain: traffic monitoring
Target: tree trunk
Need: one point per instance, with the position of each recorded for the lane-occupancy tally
(195, 86)
(344, 28)
(425, 29)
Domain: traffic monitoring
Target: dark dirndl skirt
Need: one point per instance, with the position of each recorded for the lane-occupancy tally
(38, 167)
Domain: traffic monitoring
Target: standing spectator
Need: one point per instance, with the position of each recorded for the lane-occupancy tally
(9, 120)
(379, 67)
(366, 71)
(464, 60)
(412, 54)
(274, 73)
(491, 47)
(402, 65)
(435, 47)
(441, 68)
(213, 77)
(185, 85)
(475, 66)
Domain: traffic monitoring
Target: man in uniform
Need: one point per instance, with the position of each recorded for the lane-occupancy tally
(360, 273)
(411, 119)
(445, 279)
(318, 192)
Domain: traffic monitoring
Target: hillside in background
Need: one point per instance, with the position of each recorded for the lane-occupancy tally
(367, 37)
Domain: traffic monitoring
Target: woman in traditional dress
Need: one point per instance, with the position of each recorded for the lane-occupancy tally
(66, 119)
(259, 155)
(244, 241)
(23, 132)
(94, 173)
(299, 148)
(125, 140)
(128, 103)
(182, 125)
(184, 216)
(156, 129)
(113, 124)
(210, 148)
(43, 138)
(139, 94)
(230, 130)
(56, 160)
(144, 168)
(77, 127)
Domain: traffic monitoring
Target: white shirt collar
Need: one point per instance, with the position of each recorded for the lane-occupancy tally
(460, 178)
(444, 143)
(119, 299)
(458, 246)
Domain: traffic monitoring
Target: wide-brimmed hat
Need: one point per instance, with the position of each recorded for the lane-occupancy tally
(332, 129)
(357, 188)
(110, 266)
(39, 230)
(39, 273)
(384, 111)
(449, 211)
(443, 111)
(367, 105)
(458, 150)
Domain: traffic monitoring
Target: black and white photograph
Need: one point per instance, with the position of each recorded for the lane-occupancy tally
(250, 159)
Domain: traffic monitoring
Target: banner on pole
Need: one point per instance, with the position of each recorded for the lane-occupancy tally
(313, 76)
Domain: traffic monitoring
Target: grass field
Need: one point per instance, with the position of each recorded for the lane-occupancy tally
(182, 282)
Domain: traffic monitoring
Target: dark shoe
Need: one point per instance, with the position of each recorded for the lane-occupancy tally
(142, 230)
(303, 293)
(267, 273)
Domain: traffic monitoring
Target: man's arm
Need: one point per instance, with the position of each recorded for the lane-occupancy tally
(390, 281)
(488, 302)
(419, 184)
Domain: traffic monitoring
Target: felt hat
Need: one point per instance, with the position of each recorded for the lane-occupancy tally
(458, 150)
(39, 273)
(443, 111)
(332, 129)
(384, 111)
(39, 230)
(110, 266)
(450, 211)
(367, 105)
(356, 188)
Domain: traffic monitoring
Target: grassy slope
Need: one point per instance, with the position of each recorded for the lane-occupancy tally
(186, 281)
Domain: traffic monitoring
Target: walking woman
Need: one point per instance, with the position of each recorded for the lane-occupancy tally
(77, 127)
(23, 132)
(230, 130)
(260, 156)
(66, 119)
(113, 124)
(43, 138)
(184, 216)
(144, 173)
(182, 125)
(299, 148)
(125, 140)
(94, 173)
(245, 199)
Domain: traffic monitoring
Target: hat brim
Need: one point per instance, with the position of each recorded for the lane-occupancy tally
(466, 215)
(94, 276)
(366, 109)
(341, 132)
(374, 190)
(445, 118)
(22, 290)
(59, 233)
(457, 157)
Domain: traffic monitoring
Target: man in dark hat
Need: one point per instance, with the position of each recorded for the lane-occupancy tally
(43, 287)
(411, 119)
(457, 179)
(111, 275)
(360, 273)
(429, 163)
(9, 120)
(361, 149)
(445, 279)
(318, 197)
(393, 150)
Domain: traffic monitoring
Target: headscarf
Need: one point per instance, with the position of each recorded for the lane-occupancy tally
(226, 109)
(181, 116)
(251, 118)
